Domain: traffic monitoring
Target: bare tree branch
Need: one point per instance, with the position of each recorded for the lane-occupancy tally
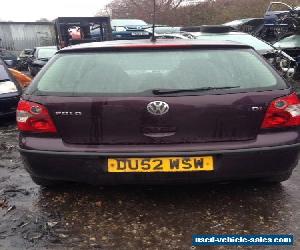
(174, 12)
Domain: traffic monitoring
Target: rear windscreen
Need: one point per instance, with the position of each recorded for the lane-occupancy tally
(140, 71)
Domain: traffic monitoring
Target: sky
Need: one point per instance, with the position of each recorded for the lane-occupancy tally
(32, 10)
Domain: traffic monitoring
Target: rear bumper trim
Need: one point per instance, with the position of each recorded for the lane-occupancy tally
(159, 153)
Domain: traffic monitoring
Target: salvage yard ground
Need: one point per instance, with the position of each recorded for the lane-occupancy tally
(135, 217)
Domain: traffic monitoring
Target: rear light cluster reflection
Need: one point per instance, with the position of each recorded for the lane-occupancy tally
(283, 112)
(34, 117)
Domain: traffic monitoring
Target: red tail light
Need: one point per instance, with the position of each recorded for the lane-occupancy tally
(283, 112)
(34, 117)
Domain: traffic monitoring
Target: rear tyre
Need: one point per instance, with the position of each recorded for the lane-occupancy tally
(46, 182)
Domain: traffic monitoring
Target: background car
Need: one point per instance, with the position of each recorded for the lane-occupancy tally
(9, 58)
(164, 30)
(40, 56)
(25, 54)
(279, 59)
(290, 45)
(248, 25)
(226, 33)
(159, 112)
(175, 36)
(129, 29)
(10, 92)
(22, 64)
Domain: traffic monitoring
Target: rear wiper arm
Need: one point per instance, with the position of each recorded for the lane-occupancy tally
(174, 91)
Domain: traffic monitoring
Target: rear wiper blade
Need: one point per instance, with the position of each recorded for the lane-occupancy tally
(174, 91)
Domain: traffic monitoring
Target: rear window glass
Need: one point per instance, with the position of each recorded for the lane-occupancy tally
(137, 72)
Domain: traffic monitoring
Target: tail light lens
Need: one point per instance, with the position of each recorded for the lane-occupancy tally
(34, 117)
(283, 112)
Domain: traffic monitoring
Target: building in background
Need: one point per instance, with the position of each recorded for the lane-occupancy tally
(17, 36)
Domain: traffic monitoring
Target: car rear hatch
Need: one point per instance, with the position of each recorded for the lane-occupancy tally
(206, 118)
(95, 114)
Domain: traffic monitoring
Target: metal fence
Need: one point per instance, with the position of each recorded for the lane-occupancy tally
(17, 36)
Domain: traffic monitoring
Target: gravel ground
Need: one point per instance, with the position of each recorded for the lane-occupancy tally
(135, 217)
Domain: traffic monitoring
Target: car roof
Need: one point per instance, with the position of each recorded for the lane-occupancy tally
(169, 34)
(126, 19)
(223, 33)
(143, 44)
(230, 33)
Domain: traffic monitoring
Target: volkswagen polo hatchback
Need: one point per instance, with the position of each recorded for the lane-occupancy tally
(158, 112)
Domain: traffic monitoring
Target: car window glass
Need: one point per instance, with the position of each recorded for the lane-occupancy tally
(133, 72)
(46, 52)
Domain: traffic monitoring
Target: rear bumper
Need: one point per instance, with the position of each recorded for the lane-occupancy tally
(91, 167)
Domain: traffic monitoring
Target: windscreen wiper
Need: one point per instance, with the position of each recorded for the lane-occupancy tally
(174, 91)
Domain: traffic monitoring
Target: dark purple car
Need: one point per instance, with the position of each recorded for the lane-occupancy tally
(163, 112)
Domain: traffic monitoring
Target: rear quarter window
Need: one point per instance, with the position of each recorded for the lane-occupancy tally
(135, 72)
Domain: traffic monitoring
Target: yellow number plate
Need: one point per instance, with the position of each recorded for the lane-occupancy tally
(164, 164)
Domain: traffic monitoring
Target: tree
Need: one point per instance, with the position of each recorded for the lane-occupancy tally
(142, 9)
(178, 13)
